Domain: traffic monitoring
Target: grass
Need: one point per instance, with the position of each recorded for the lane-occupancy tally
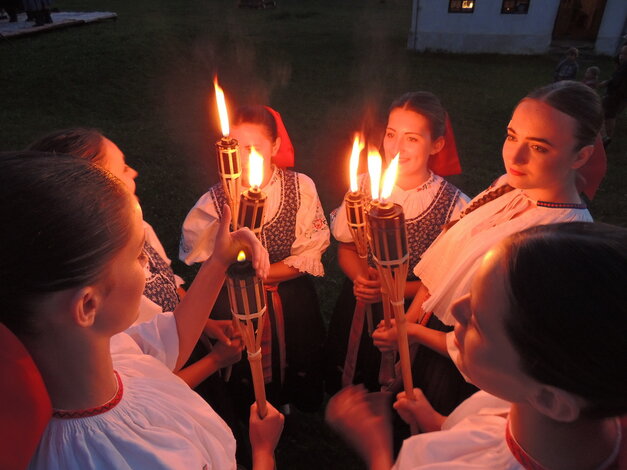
(329, 67)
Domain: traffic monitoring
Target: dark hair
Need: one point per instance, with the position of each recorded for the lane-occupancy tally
(568, 320)
(257, 115)
(77, 141)
(577, 101)
(427, 105)
(64, 219)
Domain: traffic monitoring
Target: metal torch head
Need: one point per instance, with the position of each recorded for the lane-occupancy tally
(388, 234)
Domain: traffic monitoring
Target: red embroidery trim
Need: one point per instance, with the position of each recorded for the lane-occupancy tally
(523, 458)
(72, 414)
(560, 205)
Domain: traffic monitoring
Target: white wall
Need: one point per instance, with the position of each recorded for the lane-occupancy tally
(612, 27)
(484, 30)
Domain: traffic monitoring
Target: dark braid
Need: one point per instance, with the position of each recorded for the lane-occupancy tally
(487, 197)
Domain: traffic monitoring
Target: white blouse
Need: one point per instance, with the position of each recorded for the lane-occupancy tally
(472, 438)
(413, 201)
(449, 264)
(160, 423)
(312, 231)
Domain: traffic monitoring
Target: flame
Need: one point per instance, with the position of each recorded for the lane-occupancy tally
(255, 168)
(224, 117)
(390, 178)
(354, 161)
(374, 170)
(241, 256)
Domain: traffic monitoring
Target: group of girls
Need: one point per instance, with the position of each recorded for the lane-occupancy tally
(80, 256)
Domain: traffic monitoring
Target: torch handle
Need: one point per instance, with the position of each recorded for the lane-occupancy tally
(403, 349)
(259, 387)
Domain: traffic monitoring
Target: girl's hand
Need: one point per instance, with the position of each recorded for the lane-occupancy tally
(228, 245)
(351, 414)
(225, 355)
(222, 330)
(368, 289)
(418, 412)
(385, 338)
(264, 433)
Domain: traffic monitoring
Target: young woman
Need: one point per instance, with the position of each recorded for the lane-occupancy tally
(548, 152)
(71, 280)
(547, 402)
(162, 289)
(295, 233)
(418, 129)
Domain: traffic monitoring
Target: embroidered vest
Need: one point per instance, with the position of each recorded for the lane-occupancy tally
(160, 284)
(277, 235)
(423, 229)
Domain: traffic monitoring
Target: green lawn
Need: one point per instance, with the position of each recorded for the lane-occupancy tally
(145, 80)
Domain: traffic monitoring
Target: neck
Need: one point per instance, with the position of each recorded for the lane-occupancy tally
(412, 180)
(78, 374)
(583, 444)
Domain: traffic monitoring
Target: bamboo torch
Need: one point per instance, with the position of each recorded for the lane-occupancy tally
(389, 244)
(388, 359)
(253, 201)
(248, 306)
(229, 164)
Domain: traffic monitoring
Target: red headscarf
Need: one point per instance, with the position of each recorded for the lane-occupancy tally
(285, 155)
(446, 161)
(25, 407)
(592, 173)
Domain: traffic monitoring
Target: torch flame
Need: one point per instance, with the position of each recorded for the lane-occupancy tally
(390, 178)
(354, 162)
(224, 117)
(374, 170)
(241, 256)
(255, 168)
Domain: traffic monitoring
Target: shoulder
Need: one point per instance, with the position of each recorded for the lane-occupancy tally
(305, 183)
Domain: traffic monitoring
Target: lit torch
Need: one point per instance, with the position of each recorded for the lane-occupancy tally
(389, 245)
(355, 202)
(229, 164)
(248, 306)
(253, 200)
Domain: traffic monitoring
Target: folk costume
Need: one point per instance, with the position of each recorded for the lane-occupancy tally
(476, 436)
(294, 232)
(350, 356)
(447, 267)
(162, 285)
(154, 420)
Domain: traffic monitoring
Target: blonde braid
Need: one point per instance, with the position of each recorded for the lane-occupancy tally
(487, 197)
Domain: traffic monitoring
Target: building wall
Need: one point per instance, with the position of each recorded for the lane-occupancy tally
(613, 28)
(484, 30)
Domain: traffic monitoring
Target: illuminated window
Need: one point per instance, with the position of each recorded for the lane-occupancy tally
(515, 7)
(461, 6)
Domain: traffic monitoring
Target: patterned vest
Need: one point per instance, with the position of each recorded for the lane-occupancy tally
(423, 229)
(277, 235)
(160, 284)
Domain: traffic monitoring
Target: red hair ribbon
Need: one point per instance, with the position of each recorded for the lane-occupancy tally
(25, 407)
(284, 157)
(446, 161)
(592, 172)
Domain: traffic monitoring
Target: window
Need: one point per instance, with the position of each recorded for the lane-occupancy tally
(515, 7)
(461, 6)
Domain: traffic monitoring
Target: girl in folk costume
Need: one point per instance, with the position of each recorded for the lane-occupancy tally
(551, 153)
(418, 129)
(162, 288)
(546, 401)
(72, 273)
(295, 233)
